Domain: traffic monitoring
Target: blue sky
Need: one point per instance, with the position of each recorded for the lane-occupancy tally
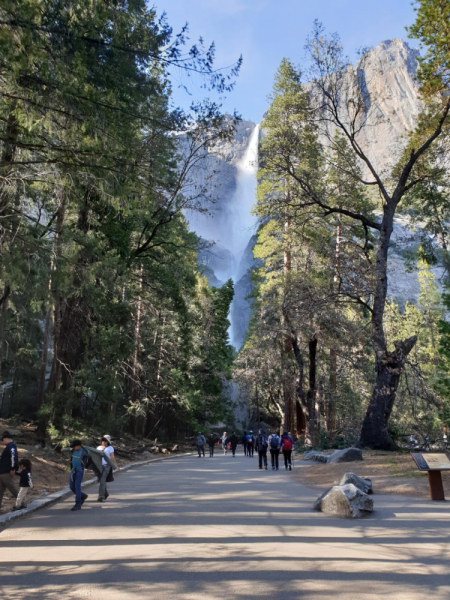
(265, 31)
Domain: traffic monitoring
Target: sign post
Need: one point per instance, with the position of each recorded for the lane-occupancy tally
(434, 464)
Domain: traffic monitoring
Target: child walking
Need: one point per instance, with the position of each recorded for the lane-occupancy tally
(25, 484)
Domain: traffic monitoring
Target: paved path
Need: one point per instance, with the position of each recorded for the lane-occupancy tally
(218, 528)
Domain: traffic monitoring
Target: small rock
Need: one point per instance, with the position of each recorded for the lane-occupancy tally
(344, 501)
(345, 455)
(147, 454)
(363, 483)
(313, 455)
(37, 447)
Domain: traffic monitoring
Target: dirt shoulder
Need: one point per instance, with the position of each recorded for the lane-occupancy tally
(391, 473)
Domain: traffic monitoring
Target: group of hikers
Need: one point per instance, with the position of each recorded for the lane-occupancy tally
(101, 460)
(261, 443)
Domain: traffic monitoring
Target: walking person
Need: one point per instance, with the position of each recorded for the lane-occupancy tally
(224, 440)
(250, 443)
(211, 444)
(244, 443)
(262, 444)
(79, 457)
(286, 446)
(201, 443)
(25, 483)
(274, 446)
(106, 475)
(233, 442)
(9, 464)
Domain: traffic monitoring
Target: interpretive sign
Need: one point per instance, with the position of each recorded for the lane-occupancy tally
(434, 464)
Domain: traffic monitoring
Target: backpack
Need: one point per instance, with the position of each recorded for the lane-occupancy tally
(287, 443)
(263, 442)
(275, 442)
(249, 439)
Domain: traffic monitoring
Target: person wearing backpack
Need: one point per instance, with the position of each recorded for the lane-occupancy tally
(250, 443)
(233, 440)
(263, 444)
(211, 444)
(274, 446)
(244, 442)
(224, 440)
(201, 442)
(77, 465)
(286, 446)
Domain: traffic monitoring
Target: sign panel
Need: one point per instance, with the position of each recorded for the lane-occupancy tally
(431, 462)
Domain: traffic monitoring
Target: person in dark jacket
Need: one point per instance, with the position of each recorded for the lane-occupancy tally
(200, 443)
(244, 442)
(9, 464)
(233, 441)
(25, 482)
(262, 444)
(77, 473)
(211, 443)
(286, 446)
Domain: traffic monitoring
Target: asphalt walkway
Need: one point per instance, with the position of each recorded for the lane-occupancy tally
(192, 528)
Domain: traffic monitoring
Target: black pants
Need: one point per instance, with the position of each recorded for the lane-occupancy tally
(211, 450)
(245, 448)
(274, 457)
(249, 449)
(262, 454)
(233, 449)
(287, 457)
(201, 449)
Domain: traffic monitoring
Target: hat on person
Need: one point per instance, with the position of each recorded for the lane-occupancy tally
(107, 437)
(7, 435)
(74, 443)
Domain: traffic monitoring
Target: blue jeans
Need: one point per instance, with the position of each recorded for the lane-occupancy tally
(76, 477)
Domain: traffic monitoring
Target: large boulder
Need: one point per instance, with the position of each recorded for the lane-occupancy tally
(363, 483)
(344, 501)
(345, 455)
(313, 455)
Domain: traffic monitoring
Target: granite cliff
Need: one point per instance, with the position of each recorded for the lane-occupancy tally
(388, 74)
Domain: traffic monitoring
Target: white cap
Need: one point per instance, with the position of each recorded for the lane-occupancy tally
(108, 437)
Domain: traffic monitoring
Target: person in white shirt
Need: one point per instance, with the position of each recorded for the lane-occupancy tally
(109, 450)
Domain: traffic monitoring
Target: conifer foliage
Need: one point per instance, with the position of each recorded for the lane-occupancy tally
(103, 313)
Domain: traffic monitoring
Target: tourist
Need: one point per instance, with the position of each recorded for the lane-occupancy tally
(286, 446)
(9, 464)
(106, 474)
(250, 443)
(262, 444)
(77, 464)
(201, 442)
(234, 442)
(274, 446)
(224, 440)
(244, 443)
(25, 482)
(211, 444)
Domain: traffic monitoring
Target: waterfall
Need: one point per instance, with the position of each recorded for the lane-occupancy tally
(231, 225)
(244, 222)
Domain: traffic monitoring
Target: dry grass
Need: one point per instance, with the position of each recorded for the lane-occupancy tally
(391, 473)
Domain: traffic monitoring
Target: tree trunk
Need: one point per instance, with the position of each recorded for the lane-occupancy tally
(388, 365)
(311, 394)
(374, 433)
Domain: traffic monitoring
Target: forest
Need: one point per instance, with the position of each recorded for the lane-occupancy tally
(106, 316)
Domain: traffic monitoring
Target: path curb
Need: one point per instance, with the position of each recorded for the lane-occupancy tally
(61, 494)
